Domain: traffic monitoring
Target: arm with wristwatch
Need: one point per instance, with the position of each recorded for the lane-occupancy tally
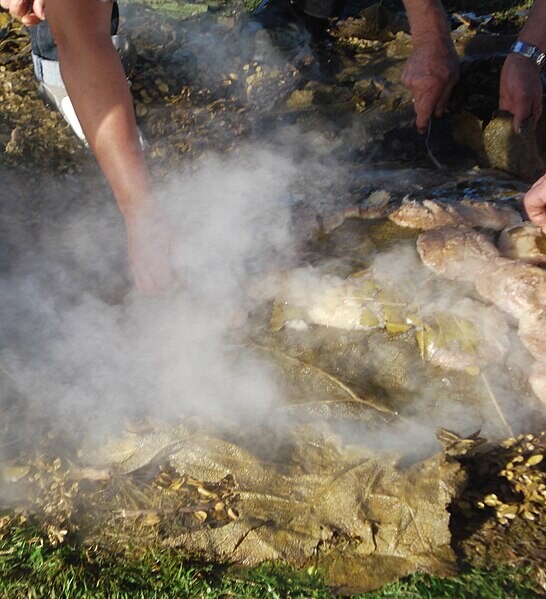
(94, 78)
(520, 83)
(521, 93)
(433, 69)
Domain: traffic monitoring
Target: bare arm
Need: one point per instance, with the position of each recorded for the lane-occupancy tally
(96, 84)
(520, 84)
(433, 67)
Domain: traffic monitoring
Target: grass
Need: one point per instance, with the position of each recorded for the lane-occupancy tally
(31, 568)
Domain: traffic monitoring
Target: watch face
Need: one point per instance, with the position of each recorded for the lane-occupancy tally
(530, 51)
(524, 49)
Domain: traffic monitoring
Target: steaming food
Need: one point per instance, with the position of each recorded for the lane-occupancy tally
(376, 205)
(431, 214)
(532, 331)
(465, 338)
(456, 343)
(525, 242)
(428, 214)
(456, 253)
(515, 287)
(462, 254)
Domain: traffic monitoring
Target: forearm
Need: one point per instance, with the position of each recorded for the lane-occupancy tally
(105, 110)
(520, 84)
(427, 20)
(97, 86)
(534, 30)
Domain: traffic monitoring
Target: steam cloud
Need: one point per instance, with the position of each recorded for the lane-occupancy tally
(81, 353)
(82, 359)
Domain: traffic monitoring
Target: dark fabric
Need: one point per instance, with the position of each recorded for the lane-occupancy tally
(42, 40)
(322, 9)
(275, 13)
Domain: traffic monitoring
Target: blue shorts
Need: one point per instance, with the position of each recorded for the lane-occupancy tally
(42, 40)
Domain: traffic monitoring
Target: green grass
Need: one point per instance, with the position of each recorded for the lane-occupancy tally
(30, 568)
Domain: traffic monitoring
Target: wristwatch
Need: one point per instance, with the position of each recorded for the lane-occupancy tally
(530, 51)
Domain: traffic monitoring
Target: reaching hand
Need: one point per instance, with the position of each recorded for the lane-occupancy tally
(535, 203)
(150, 246)
(430, 74)
(521, 90)
(31, 12)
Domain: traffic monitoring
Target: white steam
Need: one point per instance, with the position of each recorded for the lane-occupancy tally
(85, 362)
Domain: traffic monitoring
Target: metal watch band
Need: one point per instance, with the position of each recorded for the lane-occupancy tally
(530, 51)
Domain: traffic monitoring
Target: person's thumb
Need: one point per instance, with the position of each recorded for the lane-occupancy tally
(39, 9)
(535, 207)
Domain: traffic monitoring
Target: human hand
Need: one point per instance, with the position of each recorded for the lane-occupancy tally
(150, 247)
(535, 203)
(31, 12)
(430, 74)
(521, 90)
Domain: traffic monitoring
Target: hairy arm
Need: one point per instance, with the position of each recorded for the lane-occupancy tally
(520, 83)
(433, 67)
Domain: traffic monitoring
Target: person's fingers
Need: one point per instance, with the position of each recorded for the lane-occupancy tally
(17, 8)
(38, 8)
(441, 104)
(144, 283)
(516, 123)
(152, 272)
(424, 105)
(151, 285)
(30, 20)
(30, 13)
(519, 108)
(534, 203)
(520, 91)
(535, 211)
(160, 281)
